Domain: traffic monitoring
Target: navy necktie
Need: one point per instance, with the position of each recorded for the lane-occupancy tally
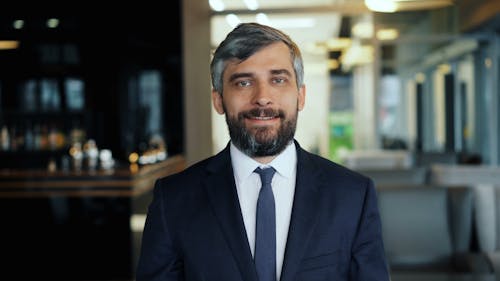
(265, 230)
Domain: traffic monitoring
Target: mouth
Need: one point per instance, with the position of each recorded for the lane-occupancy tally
(263, 118)
(263, 114)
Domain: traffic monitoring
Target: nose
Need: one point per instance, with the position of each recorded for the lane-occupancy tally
(262, 95)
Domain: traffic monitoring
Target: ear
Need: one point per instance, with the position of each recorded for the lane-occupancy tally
(302, 97)
(217, 102)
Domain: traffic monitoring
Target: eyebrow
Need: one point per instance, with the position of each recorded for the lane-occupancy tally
(248, 74)
(281, 71)
(239, 75)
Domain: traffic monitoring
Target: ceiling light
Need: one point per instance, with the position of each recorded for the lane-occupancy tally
(52, 23)
(233, 20)
(357, 55)
(18, 24)
(413, 5)
(336, 44)
(251, 4)
(420, 77)
(444, 68)
(9, 44)
(216, 5)
(385, 6)
(389, 6)
(387, 34)
(363, 30)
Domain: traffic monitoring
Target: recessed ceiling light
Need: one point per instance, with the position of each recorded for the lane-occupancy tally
(233, 20)
(251, 4)
(52, 23)
(18, 24)
(387, 6)
(216, 5)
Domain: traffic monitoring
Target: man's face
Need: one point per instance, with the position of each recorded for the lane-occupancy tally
(261, 101)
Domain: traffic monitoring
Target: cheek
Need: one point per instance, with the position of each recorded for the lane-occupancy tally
(291, 104)
(234, 106)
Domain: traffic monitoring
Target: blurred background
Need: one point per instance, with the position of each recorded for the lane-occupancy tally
(95, 106)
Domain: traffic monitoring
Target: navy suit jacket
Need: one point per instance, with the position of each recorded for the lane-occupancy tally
(194, 229)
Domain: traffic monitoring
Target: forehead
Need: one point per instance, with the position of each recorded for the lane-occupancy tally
(272, 57)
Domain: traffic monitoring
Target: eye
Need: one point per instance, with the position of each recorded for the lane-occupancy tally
(243, 83)
(279, 80)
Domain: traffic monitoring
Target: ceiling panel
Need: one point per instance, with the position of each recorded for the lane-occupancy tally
(270, 4)
(302, 28)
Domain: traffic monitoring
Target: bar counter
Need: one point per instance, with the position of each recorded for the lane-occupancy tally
(125, 181)
(75, 225)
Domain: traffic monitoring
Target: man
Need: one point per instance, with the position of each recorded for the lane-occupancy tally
(311, 219)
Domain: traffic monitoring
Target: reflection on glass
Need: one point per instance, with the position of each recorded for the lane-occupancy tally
(29, 96)
(389, 100)
(49, 94)
(75, 95)
(150, 100)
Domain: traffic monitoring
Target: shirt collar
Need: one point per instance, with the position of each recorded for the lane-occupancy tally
(243, 165)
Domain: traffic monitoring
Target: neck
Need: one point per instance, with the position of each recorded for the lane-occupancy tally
(264, 159)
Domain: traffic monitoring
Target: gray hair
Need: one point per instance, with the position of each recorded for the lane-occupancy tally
(245, 40)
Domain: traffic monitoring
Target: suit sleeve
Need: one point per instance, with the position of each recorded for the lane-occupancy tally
(159, 258)
(368, 256)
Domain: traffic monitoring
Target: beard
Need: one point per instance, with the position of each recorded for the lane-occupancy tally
(261, 141)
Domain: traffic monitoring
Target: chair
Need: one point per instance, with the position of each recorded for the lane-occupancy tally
(485, 184)
(428, 229)
(396, 177)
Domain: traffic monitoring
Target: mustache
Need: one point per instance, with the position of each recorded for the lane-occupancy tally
(262, 112)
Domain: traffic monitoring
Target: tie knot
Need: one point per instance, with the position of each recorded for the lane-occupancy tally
(266, 175)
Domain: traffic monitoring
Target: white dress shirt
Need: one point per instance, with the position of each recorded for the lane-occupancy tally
(283, 184)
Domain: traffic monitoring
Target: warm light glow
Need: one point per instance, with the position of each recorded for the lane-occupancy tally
(363, 30)
(9, 44)
(232, 20)
(52, 23)
(251, 4)
(336, 44)
(134, 168)
(488, 63)
(390, 6)
(18, 24)
(384, 6)
(133, 157)
(444, 68)
(420, 77)
(357, 55)
(216, 5)
(333, 64)
(387, 34)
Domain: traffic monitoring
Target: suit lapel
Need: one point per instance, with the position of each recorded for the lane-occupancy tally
(304, 214)
(223, 197)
